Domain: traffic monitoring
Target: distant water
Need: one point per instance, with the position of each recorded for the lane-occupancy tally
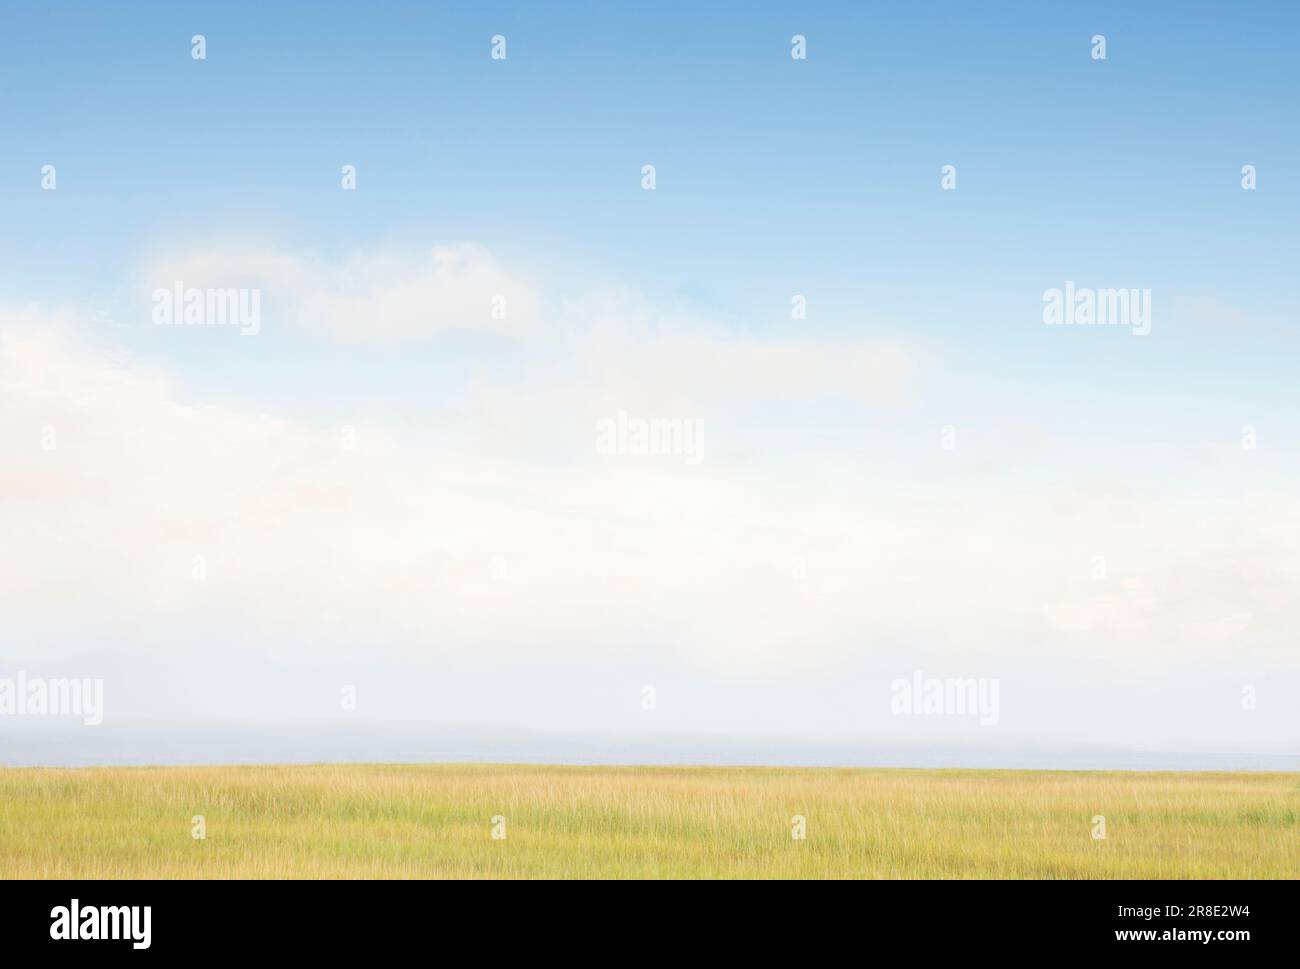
(25, 744)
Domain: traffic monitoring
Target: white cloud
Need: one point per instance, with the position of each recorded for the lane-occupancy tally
(315, 552)
(381, 296)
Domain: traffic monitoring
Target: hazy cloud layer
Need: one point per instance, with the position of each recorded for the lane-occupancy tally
(151, 533)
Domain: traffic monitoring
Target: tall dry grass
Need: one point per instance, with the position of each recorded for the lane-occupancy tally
(408, 821)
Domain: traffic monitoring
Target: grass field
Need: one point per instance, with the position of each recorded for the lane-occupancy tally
(425, 821)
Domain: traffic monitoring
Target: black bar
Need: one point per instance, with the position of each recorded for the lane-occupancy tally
(332, 919)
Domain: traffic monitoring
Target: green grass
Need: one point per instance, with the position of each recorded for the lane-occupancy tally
(434, 821)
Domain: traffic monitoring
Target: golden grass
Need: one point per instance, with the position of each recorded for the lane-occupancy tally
(434, 821)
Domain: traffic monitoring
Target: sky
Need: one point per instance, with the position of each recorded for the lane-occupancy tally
(405, 502)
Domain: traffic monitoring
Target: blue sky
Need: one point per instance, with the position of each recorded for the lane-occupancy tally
(817, 177)
(772, 172)
(775, 177)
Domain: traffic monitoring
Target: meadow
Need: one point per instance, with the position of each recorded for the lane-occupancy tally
(498, 821)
